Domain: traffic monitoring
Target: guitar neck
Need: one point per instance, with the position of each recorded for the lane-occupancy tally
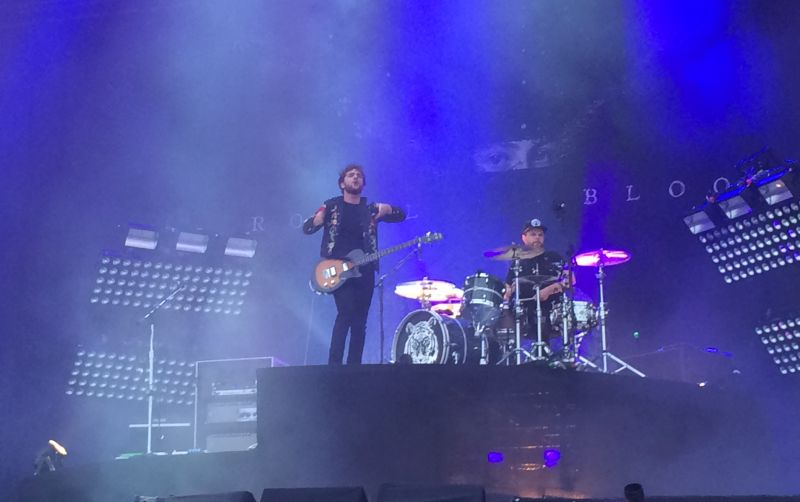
(369, 258)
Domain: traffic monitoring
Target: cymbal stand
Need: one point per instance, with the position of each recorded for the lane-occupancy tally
(379, 286)
(604, 341)
(518, 350)
(540, 349)
(570, 341)
(579, 359)
(566, 310)
(567, 313)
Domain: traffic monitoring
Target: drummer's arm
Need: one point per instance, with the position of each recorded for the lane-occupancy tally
(547, 291)
(556, 287)
(509, 292)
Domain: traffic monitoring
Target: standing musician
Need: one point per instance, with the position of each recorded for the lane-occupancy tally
(537, 261)
(351, 223)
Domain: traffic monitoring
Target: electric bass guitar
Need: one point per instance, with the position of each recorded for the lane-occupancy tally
(331, 273)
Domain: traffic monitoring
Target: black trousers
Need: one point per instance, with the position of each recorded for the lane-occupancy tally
(352, 304)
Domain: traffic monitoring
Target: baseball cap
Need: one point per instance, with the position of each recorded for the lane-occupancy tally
(534, 223)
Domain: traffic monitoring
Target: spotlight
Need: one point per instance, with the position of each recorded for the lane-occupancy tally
(551, 457)
(142, 238)
(702, 218)
(192, 243)
(737, 201)
(774, 185)
(245, 248)
(50, 458)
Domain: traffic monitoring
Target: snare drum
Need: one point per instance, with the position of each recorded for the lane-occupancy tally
(483, 296)
(582, 318)
(425, 337)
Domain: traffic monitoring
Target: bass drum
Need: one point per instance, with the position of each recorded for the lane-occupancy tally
(425, 337)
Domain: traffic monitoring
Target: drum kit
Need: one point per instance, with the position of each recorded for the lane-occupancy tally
(477, 325)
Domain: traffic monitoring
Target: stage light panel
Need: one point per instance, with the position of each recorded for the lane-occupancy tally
(142, 284)
(129, 381)
(781, 339)
(760, 243)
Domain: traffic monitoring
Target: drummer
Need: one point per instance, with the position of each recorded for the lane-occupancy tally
(535, 260)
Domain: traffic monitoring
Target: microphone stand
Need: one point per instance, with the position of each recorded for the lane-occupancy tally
(379, 287)
(151, 362)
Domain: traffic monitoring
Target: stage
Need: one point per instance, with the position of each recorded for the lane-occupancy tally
(527, 431)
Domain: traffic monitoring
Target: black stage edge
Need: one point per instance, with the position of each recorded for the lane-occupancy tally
(434, 424)
(364, 426)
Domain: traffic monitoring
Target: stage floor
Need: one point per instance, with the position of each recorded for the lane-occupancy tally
(491, 426)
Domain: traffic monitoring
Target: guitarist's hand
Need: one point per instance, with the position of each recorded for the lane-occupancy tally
(319, 216)
(383, 210)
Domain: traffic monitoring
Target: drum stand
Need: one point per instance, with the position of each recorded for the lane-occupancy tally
(604, 341)
(480, 334)
(541, 351)
(518, 350)
(571, 343)
(567, 355)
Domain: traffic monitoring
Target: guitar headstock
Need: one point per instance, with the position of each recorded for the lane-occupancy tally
(430, 237)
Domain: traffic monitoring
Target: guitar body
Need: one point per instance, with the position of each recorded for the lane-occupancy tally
(330, 274)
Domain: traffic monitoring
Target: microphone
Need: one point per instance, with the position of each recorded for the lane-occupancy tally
(559, 207)
(419, 250)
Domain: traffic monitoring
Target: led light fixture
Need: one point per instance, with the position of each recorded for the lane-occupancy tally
(755, 244)
(141, 238)
(243, 248)
(776, 185)
(138, 283)
(192, 243)
(123, 377)
(781, 339)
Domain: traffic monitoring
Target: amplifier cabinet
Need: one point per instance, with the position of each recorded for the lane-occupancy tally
(225, 406)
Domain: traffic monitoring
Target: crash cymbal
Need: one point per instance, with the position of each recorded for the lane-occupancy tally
(512, 252)
(537, 279)
(428, 290)
(605, 257)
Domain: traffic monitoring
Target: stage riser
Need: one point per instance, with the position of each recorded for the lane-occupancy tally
(436, 425)
(345, 426)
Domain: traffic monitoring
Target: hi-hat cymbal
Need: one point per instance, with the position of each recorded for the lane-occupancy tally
(428, 290)
(605, 257)
(512, 252)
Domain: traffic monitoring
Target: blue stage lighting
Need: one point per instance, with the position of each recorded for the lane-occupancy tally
(551, 457)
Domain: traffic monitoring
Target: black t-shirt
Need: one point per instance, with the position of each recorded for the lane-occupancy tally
(547, 263)
(351, 231)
